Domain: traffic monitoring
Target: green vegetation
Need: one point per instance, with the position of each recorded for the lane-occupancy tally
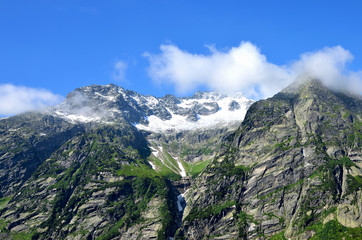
(15, 236)
(171, 162)
(354, 184)
(227, 168)
(199, 149)
(22, 236)
(243, 220)
(272, 215)
(284, 146)
(3, 225)
(346, 114)
(169, 168)
(357, 134)
(309, 212)
(4, 201)
(128, 212)
(168, 160)
(348, 163)
(167, 215)
(208, 211)
(113, 232)
(327, 175)
(163, 170)
(139, 170)
(194, 169)
(279, 236)
(333, 230)
(107, 153)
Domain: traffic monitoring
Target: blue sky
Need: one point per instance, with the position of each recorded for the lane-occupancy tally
(56, 46)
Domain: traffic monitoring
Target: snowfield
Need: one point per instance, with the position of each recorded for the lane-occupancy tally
(223, 116)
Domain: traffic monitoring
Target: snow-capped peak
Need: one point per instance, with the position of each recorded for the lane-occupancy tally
(111, 103)
(206, 112)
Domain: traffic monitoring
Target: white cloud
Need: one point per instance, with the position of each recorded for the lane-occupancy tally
(120, 71)
(329, 65)
(245, 69)
(17, 99)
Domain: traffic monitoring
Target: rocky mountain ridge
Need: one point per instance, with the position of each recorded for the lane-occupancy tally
(183, 130)
(291, 170)
(169, 113)
(94, 167)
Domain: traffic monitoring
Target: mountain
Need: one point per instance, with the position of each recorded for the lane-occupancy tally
(108, 163)
(180, 131)
(291, 170)
(111, 103)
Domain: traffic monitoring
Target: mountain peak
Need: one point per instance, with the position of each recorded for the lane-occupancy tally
(111, 103)
(306, 83)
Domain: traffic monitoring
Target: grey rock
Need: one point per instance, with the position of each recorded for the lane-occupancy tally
(233, 105)
(285, 145)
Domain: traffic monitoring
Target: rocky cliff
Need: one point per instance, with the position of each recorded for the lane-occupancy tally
(98, 184)
(291, 170)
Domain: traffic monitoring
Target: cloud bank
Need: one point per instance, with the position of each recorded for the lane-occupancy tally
(245, 69)
(17, 99)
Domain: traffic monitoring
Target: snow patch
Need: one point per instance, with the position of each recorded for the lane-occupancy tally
(154, 151)
(82, 118)
(223, 117)
(109, 98)
(115, 110)
(152, 165)
(151, 101)
(183, 171)
(137, 99)
(78, 117)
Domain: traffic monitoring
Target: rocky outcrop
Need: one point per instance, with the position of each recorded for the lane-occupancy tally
(26, 141)
(98, 184)
(292, 169)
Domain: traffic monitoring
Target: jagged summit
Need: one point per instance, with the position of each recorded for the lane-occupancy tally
(111, 103)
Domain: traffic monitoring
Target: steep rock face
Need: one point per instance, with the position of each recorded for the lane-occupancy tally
(293, 168)
(25, 142)
(98, 184)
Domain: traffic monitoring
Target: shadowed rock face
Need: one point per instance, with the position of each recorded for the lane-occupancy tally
(26, 141)
(295, 162)
(233, 105)
(96, 184)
